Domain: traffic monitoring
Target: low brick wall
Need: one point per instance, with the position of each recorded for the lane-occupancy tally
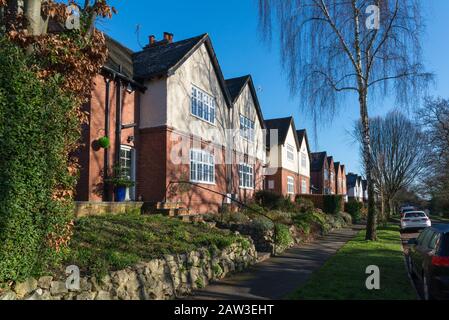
(159, 279)
(83, 209)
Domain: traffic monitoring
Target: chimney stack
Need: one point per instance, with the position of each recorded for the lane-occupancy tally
(152, 40)
(168, 37)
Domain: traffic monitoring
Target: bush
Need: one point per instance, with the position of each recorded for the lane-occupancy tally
(38, 126)
(354, 208)
(281, 217)
(262, 224)
(332, 204)
(253, 210)
(304, 204)
(268, 199)
(283, 237)
(286, 205)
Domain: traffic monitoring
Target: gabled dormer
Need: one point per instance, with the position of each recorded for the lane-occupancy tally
(247, 120)
(282, 141)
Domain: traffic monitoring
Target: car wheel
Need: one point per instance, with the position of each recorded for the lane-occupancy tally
(426, 288)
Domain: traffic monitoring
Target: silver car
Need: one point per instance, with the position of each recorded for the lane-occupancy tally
(415, 220)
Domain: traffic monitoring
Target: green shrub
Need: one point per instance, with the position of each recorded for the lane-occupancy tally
(332, 204)
(38, 124)
(287, 205)
(283, 236)
(268, 199)
(262, 224)
(104, 142)
(354, 208)
(253, 210)
(280, 217)
(304, 204)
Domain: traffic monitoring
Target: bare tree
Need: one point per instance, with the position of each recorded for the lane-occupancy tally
(434, 117)
(398, 153)
(333, 46)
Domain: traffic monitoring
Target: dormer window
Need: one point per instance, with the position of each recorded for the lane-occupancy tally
(246, 128)
(290, 153)
(203, 105)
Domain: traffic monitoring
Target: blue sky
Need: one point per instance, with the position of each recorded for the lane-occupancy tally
(233, 27)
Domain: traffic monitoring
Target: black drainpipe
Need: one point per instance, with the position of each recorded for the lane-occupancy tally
(118, 118)
(106, 151)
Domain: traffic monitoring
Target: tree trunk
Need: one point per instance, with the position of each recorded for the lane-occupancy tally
(371, 227)
(33, 16)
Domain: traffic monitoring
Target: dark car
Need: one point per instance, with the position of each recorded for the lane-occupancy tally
(429, 261)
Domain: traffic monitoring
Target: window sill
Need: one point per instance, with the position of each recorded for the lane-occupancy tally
(246, 188)
(204, 182)
(203, 120)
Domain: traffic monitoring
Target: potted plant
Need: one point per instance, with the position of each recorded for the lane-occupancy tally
(104, 142)
(121, 181)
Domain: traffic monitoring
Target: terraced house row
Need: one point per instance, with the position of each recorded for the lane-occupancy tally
(185, 135)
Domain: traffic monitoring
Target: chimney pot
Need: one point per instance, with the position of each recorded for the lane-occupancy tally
(168, 36)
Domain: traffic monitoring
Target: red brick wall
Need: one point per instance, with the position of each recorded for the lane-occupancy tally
(156, 170)
(90, 184)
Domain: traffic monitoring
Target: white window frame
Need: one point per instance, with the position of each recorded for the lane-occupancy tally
(304, 186)
(202, 105)
(202, 167)
(271, 184)
(247, 127)
(290, 185)
(290, 152)
(303, 159)
(246, 176)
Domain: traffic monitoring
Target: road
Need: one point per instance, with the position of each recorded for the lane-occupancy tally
(406, 236)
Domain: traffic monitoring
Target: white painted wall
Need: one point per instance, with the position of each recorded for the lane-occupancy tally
(285, 163)
(304, 171)
(197, 71)
(153, 106)
(245, 106)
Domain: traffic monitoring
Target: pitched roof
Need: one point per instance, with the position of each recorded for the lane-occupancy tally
(282, 125)
(330, 159)
(119, 56)
(337, 167)
(318, 160)
(351, 180)
(302, 134)
(235, 87)
(158, 60)
(165, 58)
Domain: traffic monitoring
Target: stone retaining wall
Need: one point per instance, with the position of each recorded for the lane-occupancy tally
(83, 209)
(161, 279)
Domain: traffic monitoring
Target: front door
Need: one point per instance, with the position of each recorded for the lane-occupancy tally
(127, 163)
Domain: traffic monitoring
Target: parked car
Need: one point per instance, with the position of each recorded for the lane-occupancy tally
(403, 210)
(428, 260)
(415, 220)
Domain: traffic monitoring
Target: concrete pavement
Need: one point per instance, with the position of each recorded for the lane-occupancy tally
(278, 276)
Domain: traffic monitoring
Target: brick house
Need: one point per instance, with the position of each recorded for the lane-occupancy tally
(304, 162)
(354, 187)
(340, 179)
(195, 126)
(331, 186)
(114, 90)
(319, 173)
(284, 175)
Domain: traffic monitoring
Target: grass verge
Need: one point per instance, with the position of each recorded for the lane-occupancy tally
(108, 243)
(343, 276)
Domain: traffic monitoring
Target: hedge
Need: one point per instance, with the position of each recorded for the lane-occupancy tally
(332, 204)
(37, 124)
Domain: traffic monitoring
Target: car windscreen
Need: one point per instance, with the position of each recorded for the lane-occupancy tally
(415, 215)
